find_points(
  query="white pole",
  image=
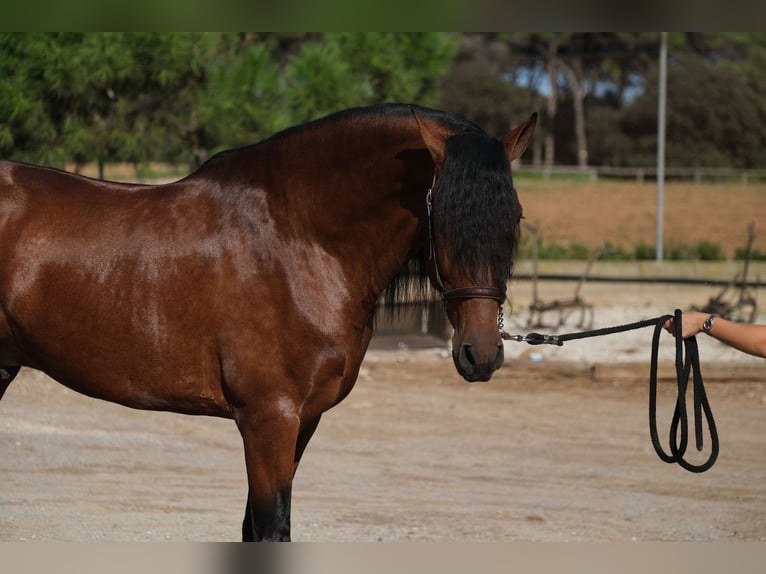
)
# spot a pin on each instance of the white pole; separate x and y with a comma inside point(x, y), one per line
point(661, 140)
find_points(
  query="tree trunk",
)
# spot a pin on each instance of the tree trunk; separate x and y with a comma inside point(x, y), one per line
point(551, 104)
point(579, 86)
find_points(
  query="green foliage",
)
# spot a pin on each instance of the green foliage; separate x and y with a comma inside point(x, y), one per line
point(710, 117)
point(24, 121)
point(179, 97)
point(715, 109)
point(579, 251)
point(644, 252)
point(755, 254)
point(701, 251)
point(474, 89)
point(613, 253)
point(552, 251)
point(709, 251)
point(396, 67)
point(103, 97)
point(237, 100)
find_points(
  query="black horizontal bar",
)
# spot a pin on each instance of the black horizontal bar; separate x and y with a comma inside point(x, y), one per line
point(613, 279)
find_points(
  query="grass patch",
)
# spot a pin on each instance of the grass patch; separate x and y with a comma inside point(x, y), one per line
point(700, 251)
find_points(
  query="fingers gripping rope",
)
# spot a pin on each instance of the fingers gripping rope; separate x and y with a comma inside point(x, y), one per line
point(686, 363)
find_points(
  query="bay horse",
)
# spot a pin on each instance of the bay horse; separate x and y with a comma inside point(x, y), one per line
point(247, 289)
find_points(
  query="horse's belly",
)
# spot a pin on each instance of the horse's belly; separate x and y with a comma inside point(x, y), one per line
point(161, 392)
point(190, 388)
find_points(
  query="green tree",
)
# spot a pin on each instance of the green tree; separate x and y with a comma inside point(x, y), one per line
point(26, 127)
point(475, 90)
point(350, 69)
point(137, 97)
point(261, 83)
point(240, 101)
point(103, 97)
point(404, 67)
point(715, 115)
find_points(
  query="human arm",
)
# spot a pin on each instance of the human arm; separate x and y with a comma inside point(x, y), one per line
point(744, 337)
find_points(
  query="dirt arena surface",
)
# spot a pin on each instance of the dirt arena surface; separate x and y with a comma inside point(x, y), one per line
point(554, 448)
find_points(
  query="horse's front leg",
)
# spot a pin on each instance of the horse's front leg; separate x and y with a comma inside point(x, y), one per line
point(254, 525)
point(267, 523)
point(269, 435)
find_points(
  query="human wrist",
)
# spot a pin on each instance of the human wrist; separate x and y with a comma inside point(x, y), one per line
point(707, 323)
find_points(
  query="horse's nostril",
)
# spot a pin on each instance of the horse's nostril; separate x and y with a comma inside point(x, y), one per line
point(470, 356)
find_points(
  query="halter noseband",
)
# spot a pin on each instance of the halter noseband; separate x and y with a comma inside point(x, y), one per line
point(472, 292)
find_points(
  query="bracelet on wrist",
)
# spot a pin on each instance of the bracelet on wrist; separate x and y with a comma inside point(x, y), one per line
point(708, 323)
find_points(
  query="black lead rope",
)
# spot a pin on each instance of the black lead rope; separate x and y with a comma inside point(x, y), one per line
point(687, 362)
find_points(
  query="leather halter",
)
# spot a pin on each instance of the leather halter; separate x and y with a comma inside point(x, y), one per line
point(471, 292)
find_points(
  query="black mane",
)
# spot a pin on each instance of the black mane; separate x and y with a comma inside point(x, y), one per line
point(455, 121)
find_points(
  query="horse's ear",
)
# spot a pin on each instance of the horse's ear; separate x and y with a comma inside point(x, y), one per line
point(515, 142)
point(435, 137)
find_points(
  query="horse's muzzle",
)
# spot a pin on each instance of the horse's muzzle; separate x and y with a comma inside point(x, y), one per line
point(475, 366)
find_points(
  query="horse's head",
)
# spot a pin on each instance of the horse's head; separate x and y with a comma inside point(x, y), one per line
point(474, 216)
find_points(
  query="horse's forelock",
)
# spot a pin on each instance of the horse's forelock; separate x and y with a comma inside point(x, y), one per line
point(476, 209)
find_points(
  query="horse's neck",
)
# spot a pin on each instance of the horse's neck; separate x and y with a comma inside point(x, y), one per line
point(367, 208)
point(352, 195)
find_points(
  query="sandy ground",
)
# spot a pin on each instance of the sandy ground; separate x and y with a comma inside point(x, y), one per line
point(555, 448)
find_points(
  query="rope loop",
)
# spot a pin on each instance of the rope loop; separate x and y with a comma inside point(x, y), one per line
point(686, 364)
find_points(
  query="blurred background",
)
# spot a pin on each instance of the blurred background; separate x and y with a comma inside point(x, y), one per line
point(176, 98)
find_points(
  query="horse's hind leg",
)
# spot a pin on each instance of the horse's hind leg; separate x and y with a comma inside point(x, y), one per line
point(7, 374)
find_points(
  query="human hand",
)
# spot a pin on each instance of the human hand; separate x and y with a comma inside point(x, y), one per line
point(691, 324)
